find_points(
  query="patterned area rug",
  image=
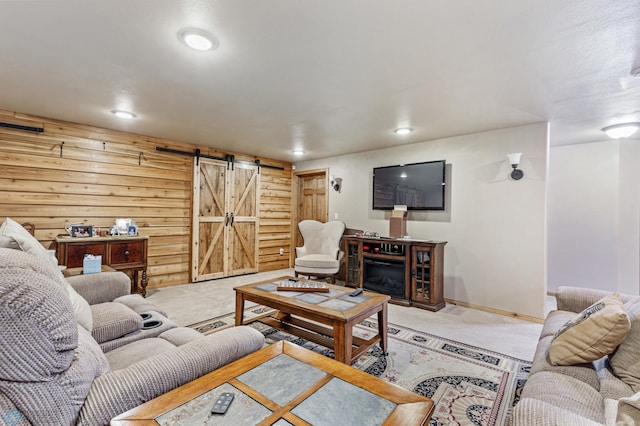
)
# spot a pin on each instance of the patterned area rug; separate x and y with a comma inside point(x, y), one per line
point(470, 385)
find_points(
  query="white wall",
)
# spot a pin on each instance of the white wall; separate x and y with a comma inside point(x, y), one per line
point(629, 218)
point(594, 216)
point(495, 227)
point(582, 221)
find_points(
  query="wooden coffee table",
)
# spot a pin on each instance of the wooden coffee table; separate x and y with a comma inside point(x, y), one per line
point(285, 381)
point(336, 309)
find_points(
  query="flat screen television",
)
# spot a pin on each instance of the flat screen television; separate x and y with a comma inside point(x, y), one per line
point(419, 186)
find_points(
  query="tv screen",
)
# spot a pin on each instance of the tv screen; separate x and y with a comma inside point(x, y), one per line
point(419, 186)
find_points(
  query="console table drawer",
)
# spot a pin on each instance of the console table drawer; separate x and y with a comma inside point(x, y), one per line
point(127, 252)
point(75, 253)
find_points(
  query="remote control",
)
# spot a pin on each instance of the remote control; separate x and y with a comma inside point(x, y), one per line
point(355, 292)
point(222, 403)
point(295, 280)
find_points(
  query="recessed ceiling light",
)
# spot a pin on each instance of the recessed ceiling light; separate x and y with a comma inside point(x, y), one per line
point(298, 152)
point(123, 114)
point(623, 130)
point(403, 131)
point(198, 39)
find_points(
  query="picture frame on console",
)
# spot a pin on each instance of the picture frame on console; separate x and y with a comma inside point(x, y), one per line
point(81, 230)
point(122, 224)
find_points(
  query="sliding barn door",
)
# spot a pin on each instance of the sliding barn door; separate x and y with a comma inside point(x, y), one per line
point(210, 208)
point(225, 223)
point(243, 226)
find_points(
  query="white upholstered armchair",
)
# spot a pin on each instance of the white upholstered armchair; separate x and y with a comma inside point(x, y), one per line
point(321, 255)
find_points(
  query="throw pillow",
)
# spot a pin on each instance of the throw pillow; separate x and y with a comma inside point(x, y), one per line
point(14, 236)
point(592, 334)
point(624, 361)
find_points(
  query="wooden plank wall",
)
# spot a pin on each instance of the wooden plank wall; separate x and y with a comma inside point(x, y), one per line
point(275, 219)
point(74, 173)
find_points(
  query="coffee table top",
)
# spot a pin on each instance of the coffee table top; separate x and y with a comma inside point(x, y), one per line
point(335, 304)
point(285, 384)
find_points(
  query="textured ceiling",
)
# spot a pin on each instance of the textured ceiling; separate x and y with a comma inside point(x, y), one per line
point(329, 77)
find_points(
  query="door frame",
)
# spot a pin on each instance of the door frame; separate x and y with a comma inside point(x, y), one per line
point(295, 214)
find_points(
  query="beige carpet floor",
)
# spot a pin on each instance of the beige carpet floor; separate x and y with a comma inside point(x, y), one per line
point(190, 303)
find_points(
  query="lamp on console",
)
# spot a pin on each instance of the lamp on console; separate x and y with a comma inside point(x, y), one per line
point(514, 159)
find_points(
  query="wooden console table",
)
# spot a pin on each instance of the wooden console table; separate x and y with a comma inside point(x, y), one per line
point(410, 271)
point(126, 254)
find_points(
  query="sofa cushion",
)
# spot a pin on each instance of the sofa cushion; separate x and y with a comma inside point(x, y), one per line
point(14, 236)
point(112, 320)
point(58, 399)
point(39, 332)
point(533, 412)
point(88, 363)
point(137, 351)
point(611, 387)
point(554, 322)
point(629, 410)
point(139, 304)
point(625, 359)
point(567, 392)
point(180, 335)
point(101, 287)
point(126, 388)
point(317, 261)
point(591, 334)
point(93, 351)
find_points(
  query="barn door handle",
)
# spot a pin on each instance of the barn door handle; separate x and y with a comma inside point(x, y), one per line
point(226, 219)
point(231, 219)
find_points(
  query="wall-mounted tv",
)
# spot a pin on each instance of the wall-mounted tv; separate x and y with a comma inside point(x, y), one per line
point(419, 186)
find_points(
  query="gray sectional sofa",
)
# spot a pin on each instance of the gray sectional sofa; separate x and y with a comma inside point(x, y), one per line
point(605, 391)
point(83, 350)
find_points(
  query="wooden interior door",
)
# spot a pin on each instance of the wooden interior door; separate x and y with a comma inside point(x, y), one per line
point(311, 200)
point(209, 219)
point(242, 232)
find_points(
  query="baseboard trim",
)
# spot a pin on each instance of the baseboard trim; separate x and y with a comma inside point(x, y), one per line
point(496, 311)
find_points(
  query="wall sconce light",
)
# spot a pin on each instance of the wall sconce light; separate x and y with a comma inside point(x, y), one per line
point(514, 159)
point(336, 183)
point(623, 130)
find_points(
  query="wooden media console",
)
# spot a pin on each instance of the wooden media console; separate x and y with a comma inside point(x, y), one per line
point(410, 271)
